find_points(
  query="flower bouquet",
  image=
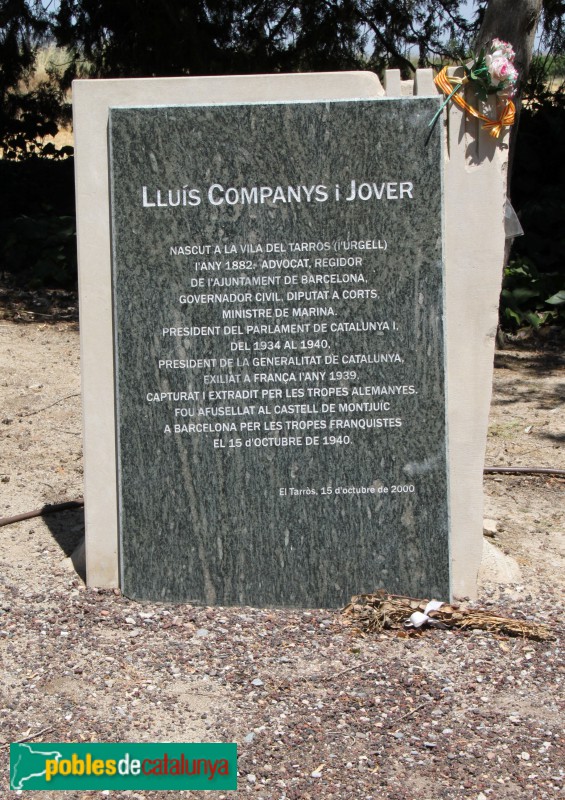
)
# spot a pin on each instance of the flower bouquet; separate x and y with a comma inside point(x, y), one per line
point(492, 72)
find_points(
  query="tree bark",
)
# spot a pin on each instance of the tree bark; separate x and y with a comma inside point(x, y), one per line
point(513, 21)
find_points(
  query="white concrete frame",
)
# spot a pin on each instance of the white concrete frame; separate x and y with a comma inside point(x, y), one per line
point(474, 179)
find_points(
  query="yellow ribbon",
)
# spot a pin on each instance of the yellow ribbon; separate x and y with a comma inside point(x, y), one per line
point(493, 126)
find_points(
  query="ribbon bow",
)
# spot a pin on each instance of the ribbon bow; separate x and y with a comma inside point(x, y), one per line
point(451, 86)
point(419, 618)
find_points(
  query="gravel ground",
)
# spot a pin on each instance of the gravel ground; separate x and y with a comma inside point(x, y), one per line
point(317, 709)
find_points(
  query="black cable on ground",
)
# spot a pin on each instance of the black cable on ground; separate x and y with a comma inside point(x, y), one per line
point(41, 512)
point(524, 471)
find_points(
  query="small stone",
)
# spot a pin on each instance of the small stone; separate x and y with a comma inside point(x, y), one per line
point(490, 528)
point(130, 620)
point(251, 778)
point(201, 632)
point(257, 682)
point(525, 756)
point(248, 738)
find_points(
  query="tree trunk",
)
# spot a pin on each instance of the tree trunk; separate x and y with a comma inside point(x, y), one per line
point(513, 21)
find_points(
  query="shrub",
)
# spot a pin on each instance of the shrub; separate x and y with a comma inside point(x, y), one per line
point(530, 297)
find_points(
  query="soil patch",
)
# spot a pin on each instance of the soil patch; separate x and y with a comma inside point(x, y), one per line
point(317, 710)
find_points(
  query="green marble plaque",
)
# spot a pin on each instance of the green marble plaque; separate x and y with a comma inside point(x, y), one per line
point(279, 351)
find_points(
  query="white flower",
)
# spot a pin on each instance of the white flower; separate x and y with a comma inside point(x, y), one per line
point(503, 74)
point(501, 48)
point(501, 70)
point(500, 64)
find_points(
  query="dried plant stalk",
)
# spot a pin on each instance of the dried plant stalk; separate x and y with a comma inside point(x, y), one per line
point(379, 611)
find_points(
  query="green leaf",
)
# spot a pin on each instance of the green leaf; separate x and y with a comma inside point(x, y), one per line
point(534, 320)
point(522, 295)
point(557, 299)
point(508, 299)
point(512, 316)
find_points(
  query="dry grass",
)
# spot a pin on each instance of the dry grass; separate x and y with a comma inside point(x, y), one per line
point(375, 612)
point(63, 138)
point(50, 62)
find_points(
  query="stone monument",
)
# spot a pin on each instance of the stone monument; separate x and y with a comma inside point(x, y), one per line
point(280, 361)
point(264, 341)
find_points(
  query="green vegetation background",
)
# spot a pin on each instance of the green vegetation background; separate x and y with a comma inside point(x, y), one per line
point(37, 215)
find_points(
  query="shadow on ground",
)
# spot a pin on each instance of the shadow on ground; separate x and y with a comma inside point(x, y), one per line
point(538, 365)
point(41, 304)
point(67, 528)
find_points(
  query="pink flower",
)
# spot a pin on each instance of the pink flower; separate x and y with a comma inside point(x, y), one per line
point(501, 48)
point(503, 73)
